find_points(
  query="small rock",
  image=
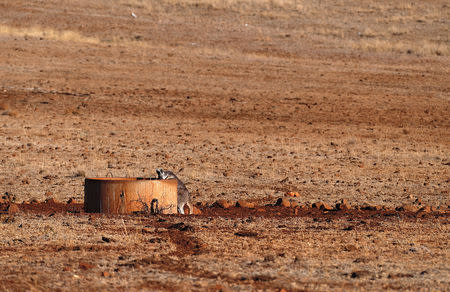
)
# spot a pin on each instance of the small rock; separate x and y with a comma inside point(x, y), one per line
point(292, 194)
point(12, 209)
point(105, 274)
point(418, 201)
point(86, 266)
point(222, 204)
point(245, 204)
point(425, 209)
point(283, 202)
point(148, 230)
point(294, 204)
point(350, 247)
point(71, 201)
point(343, 205)
point(246, 233)
point(196, 211)
point(359, 274)
point(201, 204)
point(371, 207)
point(317, 205)
point(51, 200)
point(421, 214)
point(326, 207)
point(107, 239)
point(66, 269)
point(322, 206)
point(407, 208)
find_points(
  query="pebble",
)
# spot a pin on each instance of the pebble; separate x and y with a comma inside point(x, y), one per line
point(326, 207)
point(372, 207)
point(322, 206)
point(317, 205)
point(105, 274)
point(51, 200)
point(418, 201)
point(72, 201)
point(407, 208)
point(377, 207)
point(283, 202)
point(245, 204)
point(85, 266)
point(292, 194)
point(343, 205)
point(426, 209)
point(294, 204)
point(201, 204)
point(360, 274)
point(12, 209)
point(222, 204)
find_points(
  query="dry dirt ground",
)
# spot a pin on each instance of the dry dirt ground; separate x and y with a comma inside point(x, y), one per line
point(330, 99)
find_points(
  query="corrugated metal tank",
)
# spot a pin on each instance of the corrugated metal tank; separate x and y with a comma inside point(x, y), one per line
point(127, 195)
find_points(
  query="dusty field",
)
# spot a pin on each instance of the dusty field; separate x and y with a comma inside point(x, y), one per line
point(243, 100)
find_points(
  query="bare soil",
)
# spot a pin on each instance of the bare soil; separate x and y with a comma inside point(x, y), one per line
point(332, 100)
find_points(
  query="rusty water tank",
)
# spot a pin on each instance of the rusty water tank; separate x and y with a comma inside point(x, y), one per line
point(127, 195)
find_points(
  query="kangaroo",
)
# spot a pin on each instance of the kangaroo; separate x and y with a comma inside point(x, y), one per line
point(183, 196)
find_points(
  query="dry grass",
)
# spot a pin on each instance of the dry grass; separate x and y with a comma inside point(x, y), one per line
point(381, 27)
point(380, 45)
point(234, 5)
point(47, 33)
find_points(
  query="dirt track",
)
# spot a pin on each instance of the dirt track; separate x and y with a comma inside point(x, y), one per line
point(329, 99)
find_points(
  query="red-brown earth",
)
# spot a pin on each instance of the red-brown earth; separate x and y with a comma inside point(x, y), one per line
point(244, 101)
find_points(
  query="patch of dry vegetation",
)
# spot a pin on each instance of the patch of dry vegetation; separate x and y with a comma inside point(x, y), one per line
point(47, 33)
point(380, 26)
point(380, 45)
point(389, 27)
point(243, 6)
